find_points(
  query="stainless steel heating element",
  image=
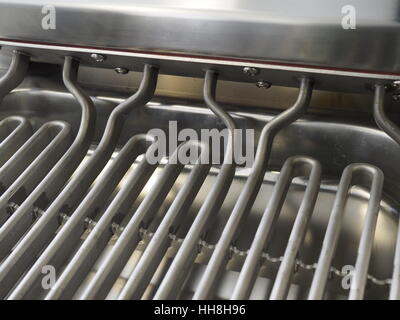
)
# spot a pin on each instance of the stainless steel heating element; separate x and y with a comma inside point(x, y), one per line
point(314, 216)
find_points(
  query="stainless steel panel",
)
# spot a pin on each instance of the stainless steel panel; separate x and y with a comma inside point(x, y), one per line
point(281, 75)
point(306, 33)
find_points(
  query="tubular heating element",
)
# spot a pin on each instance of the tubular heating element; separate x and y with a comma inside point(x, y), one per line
point(51, 195)
point(128, 240)
point(15, 73)
point(248, 195)
point(297, 166)
point(98, 238)
point(31, 163)
point(14, 265)
point(394, 132)
point(211, 204)
point(186, 254)
point(44, 229)
point(354, 173)
point(26, 168)
point(14, 132)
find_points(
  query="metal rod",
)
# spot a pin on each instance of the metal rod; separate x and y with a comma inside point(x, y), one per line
point(159, 243)
point(79, 266)
point(116, 260)
point(294, 166)
point(361, 174)
point(21, 128)
point(381, 118)
point(61, 247)
point(30, 150)
point(185, 257)
point(249, 193)
point(393, 131)
point(282, 281)
point(15, 73)
point(34, 241)
point(14, 132)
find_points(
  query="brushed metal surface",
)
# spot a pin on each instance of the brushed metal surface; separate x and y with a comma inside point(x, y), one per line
point(275, 74)
point(306, 33)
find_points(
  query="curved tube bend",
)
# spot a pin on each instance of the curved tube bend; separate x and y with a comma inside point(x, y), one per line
point(187, 252)
point(381, 119)
point(15, 73)
point(251, 188)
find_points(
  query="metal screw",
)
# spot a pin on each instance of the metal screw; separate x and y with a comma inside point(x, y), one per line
point(396, 97)
point(250, 71)
point(120, 70)
point(97, 57)
point(396, 84)
point(263, 84)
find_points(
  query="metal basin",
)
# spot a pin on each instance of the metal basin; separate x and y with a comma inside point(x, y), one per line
point(333, 140)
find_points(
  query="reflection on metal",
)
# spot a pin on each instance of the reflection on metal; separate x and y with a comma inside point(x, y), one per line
point(395, 285)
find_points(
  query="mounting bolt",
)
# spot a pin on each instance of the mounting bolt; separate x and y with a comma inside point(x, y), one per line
point(250, 71)
point(396, 84)
point(120, 70)
point(263, 84)
point(396, 97)
point(97, 57)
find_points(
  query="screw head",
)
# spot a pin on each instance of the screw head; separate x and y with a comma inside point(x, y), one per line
point(120, 70)
point(250, 71)
point(263, 84)
point(97, 57)
point(396, 97)
point(396, 84)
